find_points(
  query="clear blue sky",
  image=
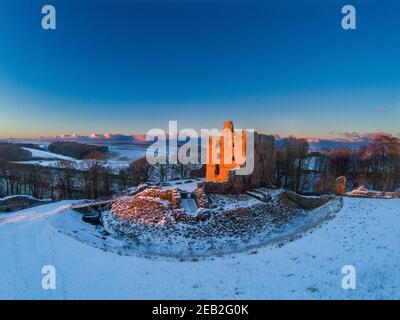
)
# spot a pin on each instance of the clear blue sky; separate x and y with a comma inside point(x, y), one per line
point(121, 66)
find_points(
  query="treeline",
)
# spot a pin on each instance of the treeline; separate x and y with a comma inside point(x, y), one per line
point(13, 152)
point(376, 166)
point(291, 166)
point(78, 150)
point(290, 158)
point(66, 182)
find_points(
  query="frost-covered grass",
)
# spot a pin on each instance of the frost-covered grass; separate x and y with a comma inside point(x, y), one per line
point(365, 233)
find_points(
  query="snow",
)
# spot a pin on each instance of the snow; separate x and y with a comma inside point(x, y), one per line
point(120, 158)
point(113, 166)
point(47, 155)
point(23, 196)
point(127, 153)
point(228, 202)
point(185, 185)
point(35, 214)
point(190, 206)
point(364, 234)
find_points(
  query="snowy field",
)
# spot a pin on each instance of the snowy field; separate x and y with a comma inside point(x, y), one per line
point(47, 155)
point(127, 152)
point(365, 233)
point(120, 158)
point(114, 166)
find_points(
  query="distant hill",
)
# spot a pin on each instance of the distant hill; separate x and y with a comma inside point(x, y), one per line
point(139, 139)
point(333, 144)
point(78, 150)
point(13, 152)
point(324, 144)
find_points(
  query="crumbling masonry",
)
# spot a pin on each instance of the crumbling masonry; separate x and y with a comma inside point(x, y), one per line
point(221, 178)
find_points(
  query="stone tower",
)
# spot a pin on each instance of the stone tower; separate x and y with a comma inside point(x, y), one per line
point(219, 172)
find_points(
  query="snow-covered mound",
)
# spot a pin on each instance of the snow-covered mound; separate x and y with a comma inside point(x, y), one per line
point(91, 264)
point(233, 223)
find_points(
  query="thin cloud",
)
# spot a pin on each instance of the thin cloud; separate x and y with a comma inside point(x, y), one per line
point(360, 137)
point(382, 110)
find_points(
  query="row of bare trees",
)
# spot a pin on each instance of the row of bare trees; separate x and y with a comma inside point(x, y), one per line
point(93, 181)
point(24, 179)
point(289, 162)
point(293, 166)
point(376, 166)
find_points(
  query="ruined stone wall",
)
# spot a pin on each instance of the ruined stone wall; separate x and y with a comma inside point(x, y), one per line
point(171, 195)
point(263, 173)
point(201, 198)
point(220, 172)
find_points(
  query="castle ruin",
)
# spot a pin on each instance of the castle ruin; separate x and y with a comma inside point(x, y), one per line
point(221, 154)
point(221, 177)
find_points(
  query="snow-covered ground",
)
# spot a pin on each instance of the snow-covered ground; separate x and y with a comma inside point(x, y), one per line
point(127, 152)
point(47, 155)
point(113, 166)
point(186, 185)
point(120, 158)
point(365, 234)
point(23, 196)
